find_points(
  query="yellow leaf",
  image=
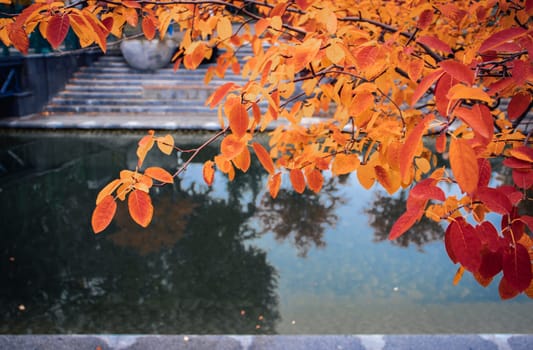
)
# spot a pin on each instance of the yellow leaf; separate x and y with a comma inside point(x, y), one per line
point(335, 53)
point(165, 144)
point(224, 29)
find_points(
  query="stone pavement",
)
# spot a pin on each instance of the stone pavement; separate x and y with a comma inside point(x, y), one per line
point(271, 342)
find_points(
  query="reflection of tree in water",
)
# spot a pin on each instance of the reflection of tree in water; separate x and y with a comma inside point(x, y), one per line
point(304, 217)
point(385, 210)
point(197, 276)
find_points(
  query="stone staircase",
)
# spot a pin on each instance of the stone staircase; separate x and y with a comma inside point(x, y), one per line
point(109, 86)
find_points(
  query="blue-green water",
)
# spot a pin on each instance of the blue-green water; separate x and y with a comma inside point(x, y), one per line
point(225, 259)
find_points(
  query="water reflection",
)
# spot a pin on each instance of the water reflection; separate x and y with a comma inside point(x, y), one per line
point(188, 273)
point(385, 210)
point(301, 218)
point(224, 259)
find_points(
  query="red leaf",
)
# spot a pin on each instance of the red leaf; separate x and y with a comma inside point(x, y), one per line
point(463, 161)
point(441, 93)
point(405, 222)
point(528, 220)
point(425, 84)
point(57, 30)
point(297, 180)
point(473, 117)
point(264, 157)
point(512, 228)
point(515, 163)
point(500, 38)
point(458, 70)
point(485, 172)
point(465, 244)
point(523, 179)
point(491, 264)
point(489, 236)
point(425, 19)
point(427, 190)
point(140, 207)
point(506, 290)
point(18, 37)
point(519, 105)
point(434, 43)
point(148, 28)
point(517, 267)
point(103, 214)
point(410, 146)
point(495, 200)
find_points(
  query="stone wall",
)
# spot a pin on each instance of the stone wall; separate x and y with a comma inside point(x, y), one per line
point(40, 77)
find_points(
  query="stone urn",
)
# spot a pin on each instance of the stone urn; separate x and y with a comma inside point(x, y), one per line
point(146, 54)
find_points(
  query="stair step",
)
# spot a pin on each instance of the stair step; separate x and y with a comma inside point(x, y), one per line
point(74, 100)
point(178, 109)
point(79, 94)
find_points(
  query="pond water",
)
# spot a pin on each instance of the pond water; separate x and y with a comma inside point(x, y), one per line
point(225, 259)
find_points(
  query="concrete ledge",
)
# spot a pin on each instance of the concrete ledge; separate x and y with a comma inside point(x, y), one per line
point(251, 342)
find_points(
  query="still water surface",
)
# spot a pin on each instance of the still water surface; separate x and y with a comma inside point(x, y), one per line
point(225, 259)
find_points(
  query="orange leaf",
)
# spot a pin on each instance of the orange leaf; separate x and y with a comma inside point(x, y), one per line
point(232, 146)
point(458, 275)
point(243, 160)
point(305, 53)
point(274, 183)
point(220, 93)
point(208, 172)
point(261, 26)
point(412, 142)
point(107, 190)
point(264, 157)
point(464, 165)
point(103, 214)
point(297, 180)
point(518, 105)
point(131, 4)
point(238, 119)
point(387, 179)
point(458, 70)
point(425, 84)
point(159, 174)
point(57, 30)
point(501, 37)
point(460, 91)
point(360, 103)
point(140, 207)
point(345, 163)
point(315, 180)
point(148, 28)
point(279, 9)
